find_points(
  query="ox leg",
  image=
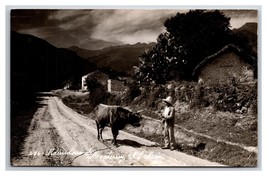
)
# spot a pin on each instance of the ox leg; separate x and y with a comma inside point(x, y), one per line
point(115, 134)
point(97, 127)
point(100, 131)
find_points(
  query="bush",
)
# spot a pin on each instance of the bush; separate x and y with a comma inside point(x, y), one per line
point(226, 97)
point(97, 92)
point(150, 97)
point(198, 97)
point(184, 91)
point(233, 97)
point(93, 84)
point(132, 92)
point(155, 96)
point(114, 99)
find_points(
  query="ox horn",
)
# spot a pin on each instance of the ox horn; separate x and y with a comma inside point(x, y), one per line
point(139, 111)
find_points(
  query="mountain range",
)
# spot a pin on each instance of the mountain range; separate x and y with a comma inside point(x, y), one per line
point(120, 58)
point(36, 65)
point(46, 65)
point(250, 32)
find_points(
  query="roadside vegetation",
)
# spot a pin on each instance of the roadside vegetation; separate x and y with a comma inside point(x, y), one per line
point(218, 129)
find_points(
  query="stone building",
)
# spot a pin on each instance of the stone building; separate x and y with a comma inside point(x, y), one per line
point(228, 64)
point(112, 85)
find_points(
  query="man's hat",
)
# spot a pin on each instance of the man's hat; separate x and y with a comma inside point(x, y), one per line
point(168, 100)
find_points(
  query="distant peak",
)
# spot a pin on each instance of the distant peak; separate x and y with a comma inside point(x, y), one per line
point(249, 25)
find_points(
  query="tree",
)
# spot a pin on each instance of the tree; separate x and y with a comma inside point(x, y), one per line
point(189, 38)
point(97, 91)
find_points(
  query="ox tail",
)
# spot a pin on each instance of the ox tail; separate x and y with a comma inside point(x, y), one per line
point(97, 127)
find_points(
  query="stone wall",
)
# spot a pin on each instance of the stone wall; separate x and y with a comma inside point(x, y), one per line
point(225, 68)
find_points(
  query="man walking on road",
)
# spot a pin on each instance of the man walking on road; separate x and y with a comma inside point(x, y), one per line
point(168, 124)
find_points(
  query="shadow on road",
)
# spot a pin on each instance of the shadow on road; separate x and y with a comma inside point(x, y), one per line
point(20, 123)
point(132, 143)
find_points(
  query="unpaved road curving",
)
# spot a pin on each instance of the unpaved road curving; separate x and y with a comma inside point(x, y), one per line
point(58, 136)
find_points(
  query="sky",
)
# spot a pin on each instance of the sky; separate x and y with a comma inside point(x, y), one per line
point(96, 29)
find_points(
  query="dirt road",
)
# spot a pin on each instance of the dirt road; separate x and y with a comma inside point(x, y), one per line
point(58, 136)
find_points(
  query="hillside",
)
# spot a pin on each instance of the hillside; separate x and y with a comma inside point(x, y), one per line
point(119, 58)
point(249, 31)
point(37, 65)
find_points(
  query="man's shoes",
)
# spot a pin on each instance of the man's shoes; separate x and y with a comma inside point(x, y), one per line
point(165, 147)
point(172, 148)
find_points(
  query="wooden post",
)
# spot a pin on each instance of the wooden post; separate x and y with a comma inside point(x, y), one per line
point(109, 85)
point(83, 83)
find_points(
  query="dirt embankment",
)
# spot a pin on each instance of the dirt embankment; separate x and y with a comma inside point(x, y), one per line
point(223, 137)
point(58, 136)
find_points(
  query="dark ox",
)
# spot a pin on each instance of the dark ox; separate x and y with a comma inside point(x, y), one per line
point(116, 117)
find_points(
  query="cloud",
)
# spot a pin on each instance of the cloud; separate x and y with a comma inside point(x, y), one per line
point(22, 19)
point(106, 27)
point(235, 13)
point(98, 28)
point(131, 26)
point(240, 17)
point(119, 26)
point(73, 19)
